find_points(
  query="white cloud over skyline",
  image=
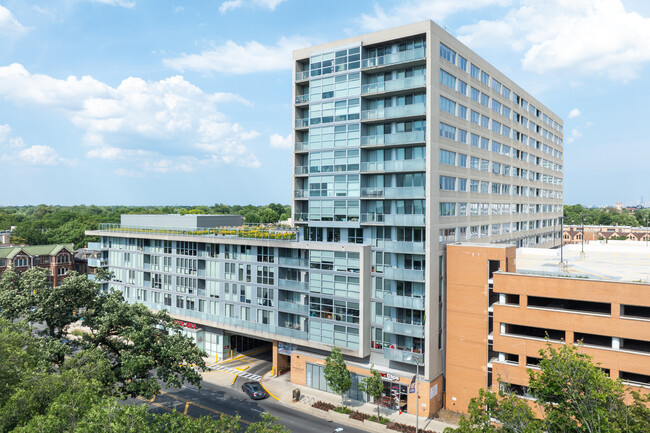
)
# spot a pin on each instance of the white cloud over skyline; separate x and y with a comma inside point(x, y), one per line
point(574, 113)
point(575, 36)
point(9, 25)
point(236, 4)
point(246, 58)
point(280, 142)
point(133, 121)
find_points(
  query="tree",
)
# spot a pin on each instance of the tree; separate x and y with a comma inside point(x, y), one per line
point(337, 374)
point(571, 393)
point(12, 298)
point(267, 425)
point(373, 387)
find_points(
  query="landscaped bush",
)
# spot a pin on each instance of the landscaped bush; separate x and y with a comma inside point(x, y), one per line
point(381, 420)
point(341, 409)
point(359, 416)
point(323, 406)
point(404, 428)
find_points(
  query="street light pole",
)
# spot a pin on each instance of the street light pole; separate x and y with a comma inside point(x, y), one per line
point(561, 241)
point(417, 390)
point(583, 234)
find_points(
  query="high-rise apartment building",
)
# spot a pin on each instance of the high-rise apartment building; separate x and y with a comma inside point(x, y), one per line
point(405, 140)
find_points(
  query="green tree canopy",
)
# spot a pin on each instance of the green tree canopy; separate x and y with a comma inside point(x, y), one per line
point(337, 374)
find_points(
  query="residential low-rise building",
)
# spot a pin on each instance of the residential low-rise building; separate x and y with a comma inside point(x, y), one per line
point(57, 258)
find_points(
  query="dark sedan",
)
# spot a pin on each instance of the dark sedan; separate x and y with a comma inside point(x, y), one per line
point(254, 390)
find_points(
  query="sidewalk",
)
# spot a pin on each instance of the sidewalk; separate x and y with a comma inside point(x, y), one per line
point(281, 389)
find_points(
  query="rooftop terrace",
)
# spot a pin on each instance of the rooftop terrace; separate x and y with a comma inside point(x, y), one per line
point(614, 260)
point(248, 232)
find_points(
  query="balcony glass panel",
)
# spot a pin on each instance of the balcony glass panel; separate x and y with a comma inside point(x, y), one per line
point(393, 192)
point(394, 85)
point(394, 112)
point(392, 219)
point(404, 247)
point(397, 138)
point(394, 58)
point(293, 307)
point(406, 165)
point(298, 285)
point(411, 302)
point(403, 274)
point(401, 355)
point(404, 329)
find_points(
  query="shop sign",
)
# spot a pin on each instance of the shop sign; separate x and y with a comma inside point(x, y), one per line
point(286, 348)
point(389, 376)
point(185, 324)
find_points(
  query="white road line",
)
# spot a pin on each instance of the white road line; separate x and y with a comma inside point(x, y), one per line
point(238, 372)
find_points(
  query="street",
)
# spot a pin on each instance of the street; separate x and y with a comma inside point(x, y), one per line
point(214, 400)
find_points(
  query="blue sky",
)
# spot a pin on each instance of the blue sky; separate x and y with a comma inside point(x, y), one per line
point(188, 102)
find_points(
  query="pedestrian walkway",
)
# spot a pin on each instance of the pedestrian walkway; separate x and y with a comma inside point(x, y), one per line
point(236, 371)
point(281, 389)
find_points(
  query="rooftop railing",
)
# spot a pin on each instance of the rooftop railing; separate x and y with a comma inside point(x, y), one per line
point(246, 232)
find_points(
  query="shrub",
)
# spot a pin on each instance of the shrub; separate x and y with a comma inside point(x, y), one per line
point(404, 428)
point(381, 420)
point(323, 406)
point(345, 410)
point(359, 416)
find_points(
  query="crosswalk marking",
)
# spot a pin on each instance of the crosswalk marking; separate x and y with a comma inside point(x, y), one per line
point(235, 371)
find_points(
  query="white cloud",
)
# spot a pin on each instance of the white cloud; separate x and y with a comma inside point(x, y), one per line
point(39, 155)
point(575, 134)
point(122, 3)
point(236, 4)
point(9, 25)
point(281, 142)
point(574, 113)
point(6, 138)
point(407, 12)
point(233, 58)
point(584, 36)
point(162, 126)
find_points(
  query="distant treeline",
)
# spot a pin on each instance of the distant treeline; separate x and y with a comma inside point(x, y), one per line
point(43, 224)
point(608, 216)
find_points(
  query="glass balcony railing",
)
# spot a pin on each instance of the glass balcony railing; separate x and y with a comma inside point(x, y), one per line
point(292, 307)
point(393, 192)
point(302, 145)
point(410, 302)
point(400, 355)
point(394, 85)
point(301, 99)
point(97, 263)
point(94, 245)
point(405, 165)
point(408, 329)
point(302, 75)
point(392, 219)
point(301, 169)
point(302, 123)
point(292, 284)
point(403, 274)
point(393, 58)
point(301, 193)
point(404, 247)
point(293, 261)
point(397, 138)
point(394, 112)
point(300, 217)
point(248, 232)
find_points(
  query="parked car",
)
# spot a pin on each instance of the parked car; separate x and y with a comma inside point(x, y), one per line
point(254, 390)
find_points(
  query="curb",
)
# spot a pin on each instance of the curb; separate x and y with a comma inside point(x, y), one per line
point(262, 383)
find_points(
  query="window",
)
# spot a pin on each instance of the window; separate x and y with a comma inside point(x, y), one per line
point(474, 71)
point(447, 183)
point(462, 136)
point(447, 131)
point(485, 99)
point(447, 209)
point(448, 80)
point(447, 157)
point(462, 160)
point(474, 94)
point(462, 87)
point(447, 54)
point(447, 105)
point(474, 117)
point(485, 121)
point(462, 112)
point(485, 78)
point(462, 63)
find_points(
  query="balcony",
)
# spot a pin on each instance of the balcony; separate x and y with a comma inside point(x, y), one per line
point(404, 247)
point(416, 192)
point(97, 263)
point(407, 329)
point(302, 99)
point(392, 219)
point(292, 284)
point(301, 170)
point(302, 145)
point(403, 274)
point(413, 137)
point(392, 59)
point(302, 123)
point(293, 308)
point(94, 245)
point(301, 193)
point(394, 85)
point(394, 166)
point(302, 75)
point(411, 302)
point(401, 355)
point(300, 217)
point(293, 261)
point(413, 110)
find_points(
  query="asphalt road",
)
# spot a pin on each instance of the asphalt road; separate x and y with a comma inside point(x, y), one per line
point(213, 400)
